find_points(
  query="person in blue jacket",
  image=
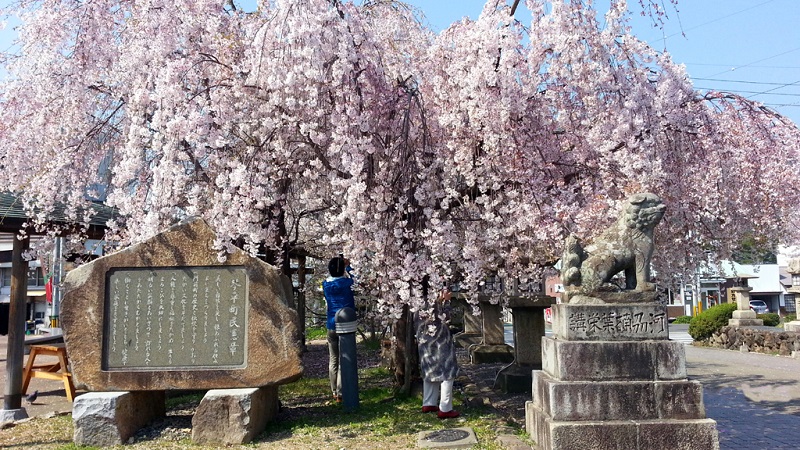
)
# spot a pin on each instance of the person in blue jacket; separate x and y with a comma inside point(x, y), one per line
point(338, 292)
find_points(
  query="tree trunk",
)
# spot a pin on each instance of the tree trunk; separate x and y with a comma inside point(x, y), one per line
point(404, 358)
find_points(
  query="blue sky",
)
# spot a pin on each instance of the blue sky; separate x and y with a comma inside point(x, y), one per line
point(751, 47)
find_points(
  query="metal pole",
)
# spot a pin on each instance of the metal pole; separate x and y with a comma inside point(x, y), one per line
point(301, 300)
point(346, 324)
point(16, 325)
point(58, 274)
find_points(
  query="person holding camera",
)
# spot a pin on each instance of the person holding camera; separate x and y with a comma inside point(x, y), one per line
point(338, 292)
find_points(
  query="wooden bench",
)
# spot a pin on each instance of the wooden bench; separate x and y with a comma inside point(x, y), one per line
point(58, 370)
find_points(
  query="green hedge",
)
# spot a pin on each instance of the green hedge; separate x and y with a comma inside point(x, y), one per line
point(789, 318)
point(682, 319)
point(770, 319)
point(703, 325)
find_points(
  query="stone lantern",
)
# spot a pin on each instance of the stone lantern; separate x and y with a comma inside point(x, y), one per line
point(794, 271)
point(740, 293)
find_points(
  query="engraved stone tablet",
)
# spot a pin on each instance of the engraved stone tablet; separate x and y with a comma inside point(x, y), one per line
point(610, 322)
point(167, 314)
point(188, 317)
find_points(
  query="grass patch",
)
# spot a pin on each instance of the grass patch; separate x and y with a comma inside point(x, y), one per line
point(383, 419)
point(51, 433)
point(308, 419)
point(183, 399)
point(314, 333)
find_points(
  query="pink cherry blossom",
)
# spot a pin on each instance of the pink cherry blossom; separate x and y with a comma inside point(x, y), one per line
point(328, 126)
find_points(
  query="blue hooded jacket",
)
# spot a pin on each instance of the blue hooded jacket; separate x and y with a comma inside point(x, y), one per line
point(338, 294)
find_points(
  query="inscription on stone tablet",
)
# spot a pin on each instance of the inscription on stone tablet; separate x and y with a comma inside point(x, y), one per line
point(638, 322)
point(183, 317)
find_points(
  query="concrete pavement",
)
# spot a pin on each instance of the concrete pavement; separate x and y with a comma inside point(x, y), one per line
point(754, 398)
point(52, 398)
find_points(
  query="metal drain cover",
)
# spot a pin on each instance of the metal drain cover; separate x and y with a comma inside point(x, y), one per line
point(449, 438)
point(446, 435)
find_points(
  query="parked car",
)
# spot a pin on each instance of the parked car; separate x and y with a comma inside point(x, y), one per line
point(759, 306)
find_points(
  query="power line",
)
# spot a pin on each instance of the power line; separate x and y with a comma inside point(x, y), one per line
point(774, 89)
point(731, 65)
point(750, 92)
point(741, 81)
point(683, 32)
point(756, 62)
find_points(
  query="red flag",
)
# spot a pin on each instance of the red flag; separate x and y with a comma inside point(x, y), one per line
point(48, 290)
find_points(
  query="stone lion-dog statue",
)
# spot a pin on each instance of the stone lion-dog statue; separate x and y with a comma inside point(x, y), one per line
point(627, 246)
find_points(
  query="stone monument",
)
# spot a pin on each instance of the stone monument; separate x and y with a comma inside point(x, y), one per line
point(527, 309)
point(492, 347)
point(794, 271)
point(472, 324)
point(611, 378)
point(743, 316)
point(167, 314)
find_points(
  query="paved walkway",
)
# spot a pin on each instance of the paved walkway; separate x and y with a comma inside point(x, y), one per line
point(52, 398)
point(754, 398)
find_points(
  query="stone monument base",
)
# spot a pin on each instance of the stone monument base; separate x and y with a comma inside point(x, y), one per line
point(745, 318)
point(488, 354)
point(12, 415)
point(234, 416)
point(656, 434)
point(465, 340)
point(793, 326)
point(745, 323)
point(104, 419)
point(515, 379)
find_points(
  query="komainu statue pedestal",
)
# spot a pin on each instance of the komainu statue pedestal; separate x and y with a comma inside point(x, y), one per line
point(612, 379)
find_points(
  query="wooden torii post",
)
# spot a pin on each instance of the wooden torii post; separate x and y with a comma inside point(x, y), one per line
point(14, 220)
point(15, 352)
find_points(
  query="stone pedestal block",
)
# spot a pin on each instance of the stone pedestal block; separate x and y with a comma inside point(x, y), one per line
point(612, 322)
point(745, 323)
point(104, 419)
point(529, 325)
point(472, 325)
point(698, 434)
point(12, 415)
point(493, 331)
point(465, 340)
point(528, 314)
point(792, 326)
point(741, 296)
point(492, 348)
point(489, 354)
point(617, 400)
point(744, 314)
point(234, 416)
point(515, 378)
point(613, 360)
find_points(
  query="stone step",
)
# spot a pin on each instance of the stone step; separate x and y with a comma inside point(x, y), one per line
point(613, 360)
point(617, 400)
point(549, 434)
